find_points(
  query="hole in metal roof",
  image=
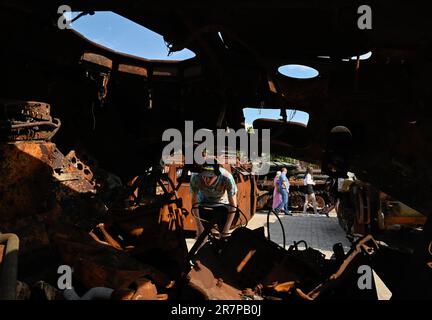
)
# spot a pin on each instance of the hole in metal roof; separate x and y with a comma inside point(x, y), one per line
point(251, 114)
point(122, 35)
point(363, 56)
point(298, 71)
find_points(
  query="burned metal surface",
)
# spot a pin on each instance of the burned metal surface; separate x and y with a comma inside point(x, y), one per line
point(26, 121)
point(202, 279)
point(117, 106)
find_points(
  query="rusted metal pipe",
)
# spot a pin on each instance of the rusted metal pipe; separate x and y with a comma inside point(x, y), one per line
point(9, 267)
point(34, 124)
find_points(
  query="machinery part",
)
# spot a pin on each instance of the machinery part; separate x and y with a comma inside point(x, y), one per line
point(296, 200)
point(312, 258)
point(9, 270)
point(346, 212)
point(154, 231)
point(23, 131)
point(245, 251)
point(26, 120)
point(109, 240)
point(361, 247)
point(202, 279)
point(363, 211)
point(80, 165)
point(264, 200)
point(24, 110)
point(320, 203)
point(97, 265)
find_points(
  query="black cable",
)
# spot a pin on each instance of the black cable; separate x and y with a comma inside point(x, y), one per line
point(280, 222)
point(81, 14)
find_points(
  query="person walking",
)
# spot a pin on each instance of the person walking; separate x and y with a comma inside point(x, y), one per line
point(309, 192)
point(277, 198)
point(284, 191)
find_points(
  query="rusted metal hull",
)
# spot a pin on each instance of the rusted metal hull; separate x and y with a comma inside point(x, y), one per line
point(36, 174)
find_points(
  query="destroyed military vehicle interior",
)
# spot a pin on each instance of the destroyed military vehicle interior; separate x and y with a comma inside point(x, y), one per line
point(277, 150)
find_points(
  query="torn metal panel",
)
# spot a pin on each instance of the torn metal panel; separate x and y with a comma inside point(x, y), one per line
point(98, 265)
point(367, 246)
point(97, 59)
point(202, 279)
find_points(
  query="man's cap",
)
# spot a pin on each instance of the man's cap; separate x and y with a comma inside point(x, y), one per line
point(208, 171)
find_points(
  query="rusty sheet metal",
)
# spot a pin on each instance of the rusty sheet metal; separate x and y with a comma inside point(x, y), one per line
point(246, 196)
point(248, 260)
point(188, 222)
point(107, 238)
point(202, 279)
point(35, 174)
point(154, 233)
point(140, 71)
point(26, 120)
point(264, 200)
point(165, 71)
point(81, 166)
point(25, 110)
point(366, 245)
point(250, 256)
point(97, 265)
point(97, 59)
point(26, 184)
point(71, 180)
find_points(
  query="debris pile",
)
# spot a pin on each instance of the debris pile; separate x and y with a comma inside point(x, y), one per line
point(127, 241)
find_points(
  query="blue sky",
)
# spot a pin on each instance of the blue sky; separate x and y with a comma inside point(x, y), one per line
point(298, 71)
point(120, 34)
point(255, 113)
